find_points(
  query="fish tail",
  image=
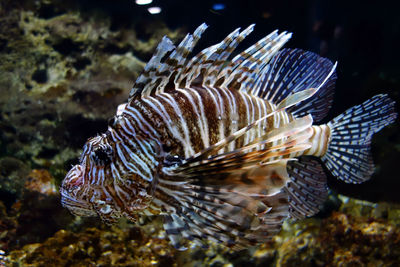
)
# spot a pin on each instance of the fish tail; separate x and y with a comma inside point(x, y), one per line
point(348, 156)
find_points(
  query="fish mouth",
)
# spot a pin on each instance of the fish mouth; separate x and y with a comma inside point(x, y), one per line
point(76, 206)
point(73, 193)
point(74, 178)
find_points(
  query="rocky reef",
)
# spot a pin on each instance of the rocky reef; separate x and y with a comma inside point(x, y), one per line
point(64, 70)
point(96, 247)
point(344, 238)
point(63, 76)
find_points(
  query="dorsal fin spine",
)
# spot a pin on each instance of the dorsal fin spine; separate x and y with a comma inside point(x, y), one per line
point(208, 65)
point(249, 61)
point(227, 50)
point(144, 80)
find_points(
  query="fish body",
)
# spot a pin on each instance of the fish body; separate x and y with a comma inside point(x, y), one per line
point(225, 149)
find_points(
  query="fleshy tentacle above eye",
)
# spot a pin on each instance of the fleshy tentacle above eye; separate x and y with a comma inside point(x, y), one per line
point(103, 155)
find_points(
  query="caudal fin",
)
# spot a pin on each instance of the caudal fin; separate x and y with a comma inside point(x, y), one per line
point(348, 156)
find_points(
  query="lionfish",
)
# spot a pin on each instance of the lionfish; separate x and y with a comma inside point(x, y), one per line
point(224, 148)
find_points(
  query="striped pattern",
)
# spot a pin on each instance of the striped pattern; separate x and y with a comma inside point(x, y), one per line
point(127, 176)
point(71, 188)
point(179, 108)
point(217, 146)
point(158, 71)
point(295, 70)
point(307, 189)
point(208, 68)
point(319, 139)
point(193, 119)
point(207, 212)
point(122, 147)
point(349, 156)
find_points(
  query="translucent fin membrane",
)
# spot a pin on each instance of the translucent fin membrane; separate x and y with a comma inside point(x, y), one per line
point(307, 189)
point(199, 213)
point(295, 70)
point(348, 156)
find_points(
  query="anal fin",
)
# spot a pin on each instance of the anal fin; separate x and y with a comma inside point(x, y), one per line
point(307, 189)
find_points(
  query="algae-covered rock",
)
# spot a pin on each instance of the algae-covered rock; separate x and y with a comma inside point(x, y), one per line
point(63, 76)
point(341, 239)
point(95, 247)
point(39, 212)
point(8, 226)
point(12, 177)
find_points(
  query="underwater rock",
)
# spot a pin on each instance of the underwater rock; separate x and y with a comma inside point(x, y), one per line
point(12, 178)
point(95, 247)
point(38, 212)
point(63, 76)
point(8, 226)
point(340, 239)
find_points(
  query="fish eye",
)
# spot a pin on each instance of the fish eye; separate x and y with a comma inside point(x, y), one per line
point(112, 121)
point(102, 155)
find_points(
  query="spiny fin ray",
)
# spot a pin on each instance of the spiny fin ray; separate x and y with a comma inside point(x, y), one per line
point(196, 212)
point(207, 68)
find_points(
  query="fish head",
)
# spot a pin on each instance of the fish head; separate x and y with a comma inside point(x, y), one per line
point(102, 185)
point(84, 188)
